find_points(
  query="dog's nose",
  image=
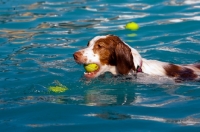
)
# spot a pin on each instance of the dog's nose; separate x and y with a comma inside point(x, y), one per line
point(77, 55)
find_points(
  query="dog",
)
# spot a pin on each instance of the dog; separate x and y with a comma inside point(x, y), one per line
point(113, 55)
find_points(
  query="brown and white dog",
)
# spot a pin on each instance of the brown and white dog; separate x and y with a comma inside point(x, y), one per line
point(113, 55)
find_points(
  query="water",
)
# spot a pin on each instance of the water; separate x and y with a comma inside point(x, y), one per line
point(38, 38)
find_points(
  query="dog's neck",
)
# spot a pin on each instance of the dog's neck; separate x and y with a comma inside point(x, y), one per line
point(151, 67)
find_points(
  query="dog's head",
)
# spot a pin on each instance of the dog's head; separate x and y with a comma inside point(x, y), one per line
point(111, 54)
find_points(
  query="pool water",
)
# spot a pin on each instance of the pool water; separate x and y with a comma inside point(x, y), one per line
point(38, 39)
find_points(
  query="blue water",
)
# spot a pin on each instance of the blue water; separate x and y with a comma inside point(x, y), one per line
point(38, 38)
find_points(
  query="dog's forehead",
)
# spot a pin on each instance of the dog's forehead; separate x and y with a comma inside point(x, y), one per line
point(93, 41)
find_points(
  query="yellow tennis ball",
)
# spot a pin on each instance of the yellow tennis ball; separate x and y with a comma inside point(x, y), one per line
point(91, 67)
point(132, 26)
point(57, 89)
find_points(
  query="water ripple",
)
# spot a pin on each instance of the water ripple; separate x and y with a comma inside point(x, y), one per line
point(191, 120)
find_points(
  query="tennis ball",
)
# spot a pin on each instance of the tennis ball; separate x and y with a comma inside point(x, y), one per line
point(58, 89)
point(132, 26)
point(91, 67)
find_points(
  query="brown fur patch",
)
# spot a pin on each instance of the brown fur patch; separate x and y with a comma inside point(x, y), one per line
point(197, 66)
point(124, 58)
point(113, 51)
point(180, 73)
point(105, 48)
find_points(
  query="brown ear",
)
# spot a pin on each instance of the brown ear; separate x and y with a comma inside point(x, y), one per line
point(124, 58)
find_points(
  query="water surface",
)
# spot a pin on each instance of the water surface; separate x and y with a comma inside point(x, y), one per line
point(38, 38)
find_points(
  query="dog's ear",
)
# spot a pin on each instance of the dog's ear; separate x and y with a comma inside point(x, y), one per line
point(124, 58)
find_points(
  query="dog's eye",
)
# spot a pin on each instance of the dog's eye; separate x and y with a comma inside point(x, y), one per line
point(101, 44)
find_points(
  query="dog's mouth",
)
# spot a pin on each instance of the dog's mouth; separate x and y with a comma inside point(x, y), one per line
point(91, 70)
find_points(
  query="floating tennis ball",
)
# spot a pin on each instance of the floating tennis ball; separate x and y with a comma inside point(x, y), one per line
point(57, 89)
point(132, 26)
point(91, 67)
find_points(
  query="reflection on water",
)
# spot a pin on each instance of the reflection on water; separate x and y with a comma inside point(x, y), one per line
point(16, 36)
point(183, 2)
point(192, 120)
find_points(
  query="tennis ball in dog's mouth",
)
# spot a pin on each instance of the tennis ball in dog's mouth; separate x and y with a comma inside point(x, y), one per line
point(132, 26)
point(91, 67)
